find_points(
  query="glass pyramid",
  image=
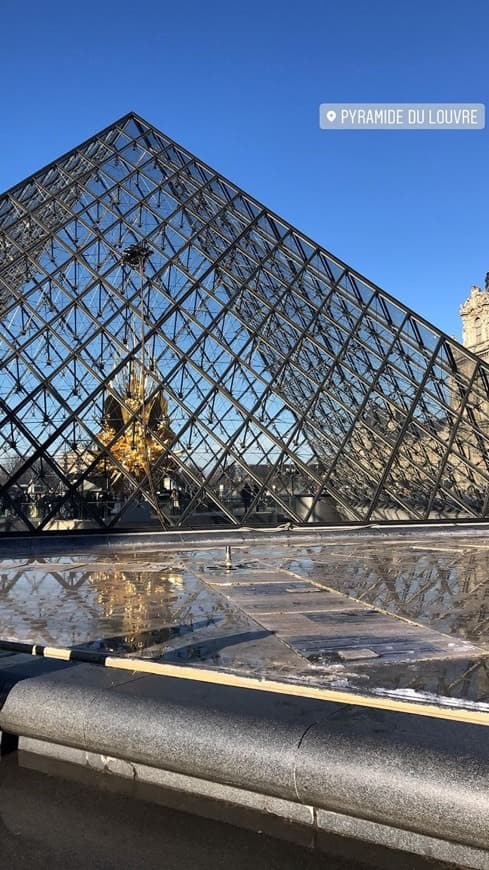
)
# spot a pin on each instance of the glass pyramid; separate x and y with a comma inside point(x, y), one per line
point(174, 354)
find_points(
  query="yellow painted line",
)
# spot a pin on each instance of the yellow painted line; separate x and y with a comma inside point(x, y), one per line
point(439, 549)
point(220, 678)
point(238, 583)
point(294, 611)
point(334, 696)
point(476, 546)
point(52, 652)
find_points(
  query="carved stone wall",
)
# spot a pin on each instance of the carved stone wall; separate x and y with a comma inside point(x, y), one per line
point(475, 322)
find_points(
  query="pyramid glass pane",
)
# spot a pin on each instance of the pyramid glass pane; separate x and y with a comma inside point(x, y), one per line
point(174, 354)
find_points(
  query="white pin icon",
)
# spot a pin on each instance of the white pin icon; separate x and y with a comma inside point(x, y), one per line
point(331, 115)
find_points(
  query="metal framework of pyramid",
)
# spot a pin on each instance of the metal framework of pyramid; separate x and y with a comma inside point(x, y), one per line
point(173, 353)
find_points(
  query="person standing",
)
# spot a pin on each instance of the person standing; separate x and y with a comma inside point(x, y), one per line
point(175, 501)
point(246, 496)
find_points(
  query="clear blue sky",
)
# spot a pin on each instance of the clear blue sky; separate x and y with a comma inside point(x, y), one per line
point(240, 86)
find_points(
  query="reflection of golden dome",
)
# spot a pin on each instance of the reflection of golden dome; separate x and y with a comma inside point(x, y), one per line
point(143, 440)
point(136, 600)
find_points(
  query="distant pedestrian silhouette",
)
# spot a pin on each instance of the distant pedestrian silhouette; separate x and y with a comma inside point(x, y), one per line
point(175, 501)
point(246, 495)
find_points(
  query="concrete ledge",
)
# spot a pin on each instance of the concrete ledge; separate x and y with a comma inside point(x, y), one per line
point(421, 785)
point(289, 811)
point(304, 824)
point(401, 840)
point(27, 544)
point(53, 542)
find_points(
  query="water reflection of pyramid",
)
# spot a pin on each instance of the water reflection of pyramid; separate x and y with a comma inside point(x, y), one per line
point(171, 347)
